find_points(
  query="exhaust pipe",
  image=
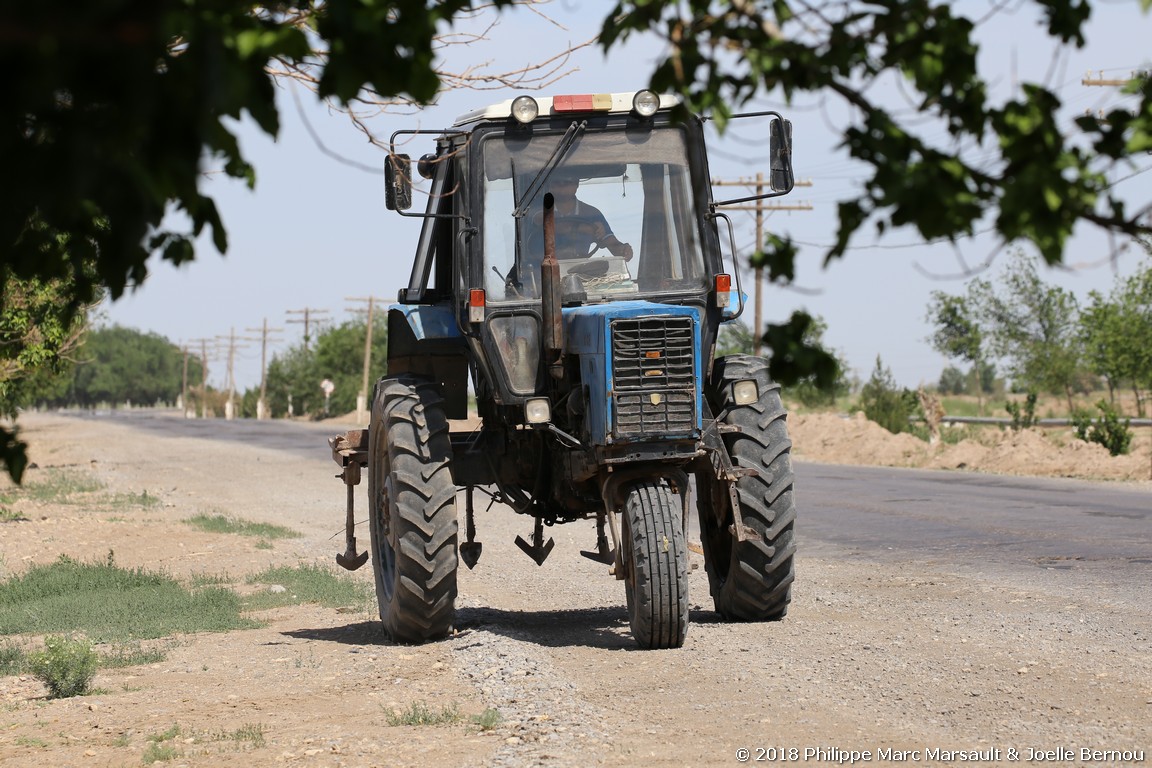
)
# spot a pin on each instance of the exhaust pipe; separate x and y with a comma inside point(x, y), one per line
point(550, 290)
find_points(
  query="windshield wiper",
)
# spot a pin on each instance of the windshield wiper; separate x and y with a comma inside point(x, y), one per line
point(558, 154)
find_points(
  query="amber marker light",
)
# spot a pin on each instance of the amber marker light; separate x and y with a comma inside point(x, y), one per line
point(723, 289)
point(476, 304)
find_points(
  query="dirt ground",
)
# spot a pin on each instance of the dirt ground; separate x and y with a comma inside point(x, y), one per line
point(837, 439)
point(894, 656)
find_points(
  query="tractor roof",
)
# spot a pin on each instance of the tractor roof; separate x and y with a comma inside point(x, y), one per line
point(608, 103)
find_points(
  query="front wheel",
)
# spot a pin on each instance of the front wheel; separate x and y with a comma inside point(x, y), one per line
point(656, 572)
point(412, 502)
point(750, 580)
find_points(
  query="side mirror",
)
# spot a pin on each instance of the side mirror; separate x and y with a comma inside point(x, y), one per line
point(398, 182)
point(780, 149)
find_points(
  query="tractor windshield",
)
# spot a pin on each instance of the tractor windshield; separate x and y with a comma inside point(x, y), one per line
point(625, 219)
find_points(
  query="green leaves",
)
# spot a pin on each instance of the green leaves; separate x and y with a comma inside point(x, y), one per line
point(121, 106)
point(1037, 185)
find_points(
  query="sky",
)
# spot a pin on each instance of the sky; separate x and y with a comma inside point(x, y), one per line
point(315, 235)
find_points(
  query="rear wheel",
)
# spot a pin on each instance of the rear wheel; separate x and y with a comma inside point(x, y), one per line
point(412, 502)
point(750, 580)
point(656, 572)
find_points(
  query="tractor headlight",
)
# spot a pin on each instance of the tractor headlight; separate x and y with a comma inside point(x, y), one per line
point(645, 103)
point(745, 392)
point(537, 411)
point(525, 109)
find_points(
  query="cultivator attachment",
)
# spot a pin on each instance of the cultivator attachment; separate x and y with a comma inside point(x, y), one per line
point(350, 451)
point(539, 549)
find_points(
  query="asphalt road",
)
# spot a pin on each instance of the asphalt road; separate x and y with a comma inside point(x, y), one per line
point(956, 518)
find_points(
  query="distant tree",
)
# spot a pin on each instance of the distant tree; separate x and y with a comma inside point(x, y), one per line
point(117, 365)
point(39, 336)
point(1102, 332)
point(957, 333)
point(953, 381)
point(886, 403)
point(336, 354)
point(1115, 329)
point(1033, 326)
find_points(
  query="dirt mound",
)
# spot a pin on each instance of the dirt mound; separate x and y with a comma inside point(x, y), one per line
point(836, 439)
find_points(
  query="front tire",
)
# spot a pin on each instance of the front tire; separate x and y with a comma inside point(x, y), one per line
point(750, 580)
point(412, 502)
point(656, 573)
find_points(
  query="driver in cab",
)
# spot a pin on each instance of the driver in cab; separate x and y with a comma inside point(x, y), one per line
point(581, 229)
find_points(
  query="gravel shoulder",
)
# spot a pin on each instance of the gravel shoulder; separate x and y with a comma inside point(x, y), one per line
point(899, 654)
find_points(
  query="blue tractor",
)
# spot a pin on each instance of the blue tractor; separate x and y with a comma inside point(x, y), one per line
point(571, 266)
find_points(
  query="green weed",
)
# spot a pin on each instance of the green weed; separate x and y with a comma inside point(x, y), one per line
point(66, 665)
point(227, 524)
point(112, 604)
point(131, 655)
point(143, 499)
point(160, 753)
point(307, 584)
point(249, 734)
point(418, 713)
point(199, 580)
point(60, 487)
point(13, 660)
point(12, 516)
point(487, 720)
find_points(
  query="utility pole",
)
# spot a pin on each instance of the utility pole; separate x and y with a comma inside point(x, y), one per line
point(362, 398)
point(307, 313)
point(262, 403)
point(203, 376)
point(760, 206)
point(184, 382)
point(233, 342)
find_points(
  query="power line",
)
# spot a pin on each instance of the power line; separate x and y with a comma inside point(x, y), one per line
point(307, 314)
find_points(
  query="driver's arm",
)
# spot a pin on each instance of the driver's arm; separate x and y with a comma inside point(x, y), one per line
point(608, 240)
point(617, 248)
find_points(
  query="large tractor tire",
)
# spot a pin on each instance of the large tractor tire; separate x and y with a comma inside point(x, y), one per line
point(656, 569)
point(750, 580)
point(412, 504)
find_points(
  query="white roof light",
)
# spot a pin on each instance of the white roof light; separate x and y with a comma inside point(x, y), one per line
point(645, 103)
point(525, 109)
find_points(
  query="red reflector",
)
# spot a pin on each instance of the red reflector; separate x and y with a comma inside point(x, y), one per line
point(573, 103)
point(583, 102)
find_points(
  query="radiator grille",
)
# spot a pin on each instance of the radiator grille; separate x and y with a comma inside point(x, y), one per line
point(653, 376)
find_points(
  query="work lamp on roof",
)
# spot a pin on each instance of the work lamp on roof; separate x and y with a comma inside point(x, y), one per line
point(525, 109)
point(645, 103)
